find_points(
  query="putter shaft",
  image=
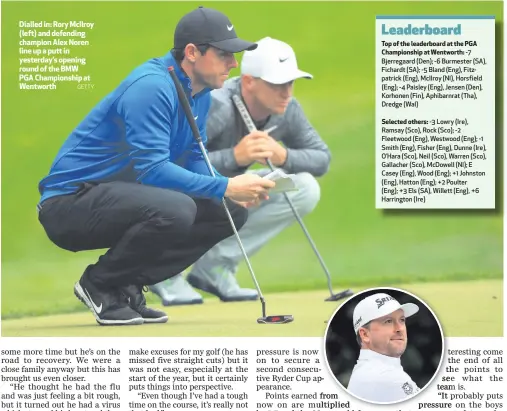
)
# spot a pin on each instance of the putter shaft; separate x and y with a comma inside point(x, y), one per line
point(188, 113)
point(303, 227)
point(251, 128)
point(245, 255)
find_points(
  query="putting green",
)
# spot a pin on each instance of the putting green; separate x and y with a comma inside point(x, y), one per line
point(360, 244)
point(463, 308)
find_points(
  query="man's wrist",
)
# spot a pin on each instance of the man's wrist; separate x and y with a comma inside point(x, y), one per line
point(223, 186)
point(239, 162)
point(281, 157)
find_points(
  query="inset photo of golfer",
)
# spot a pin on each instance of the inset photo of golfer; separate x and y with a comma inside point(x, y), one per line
point(384, 345)
point(181, 169)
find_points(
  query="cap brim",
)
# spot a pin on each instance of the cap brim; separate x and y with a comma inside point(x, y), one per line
point(409, 309)
point(234, 45)
point(285, 77)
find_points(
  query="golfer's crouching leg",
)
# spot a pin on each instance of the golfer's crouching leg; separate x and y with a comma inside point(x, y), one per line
point(308, 196)
point(239, 215)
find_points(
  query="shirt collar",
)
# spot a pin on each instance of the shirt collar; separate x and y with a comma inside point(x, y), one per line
point(235, 87)
point(370, 355)
point(169, 61)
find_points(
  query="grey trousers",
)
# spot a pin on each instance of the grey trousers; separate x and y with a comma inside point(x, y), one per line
point(264, 223)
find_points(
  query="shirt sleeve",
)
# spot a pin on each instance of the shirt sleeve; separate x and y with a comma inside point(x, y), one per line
point(147, 108)
point(306, 151)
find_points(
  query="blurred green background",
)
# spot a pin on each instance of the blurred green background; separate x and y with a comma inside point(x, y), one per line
point(335, 41)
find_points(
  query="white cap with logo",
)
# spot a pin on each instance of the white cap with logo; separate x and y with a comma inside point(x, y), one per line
point(273, 61)
point(378, 305)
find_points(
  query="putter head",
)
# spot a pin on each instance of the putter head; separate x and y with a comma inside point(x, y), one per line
point(340, 295)
point(276, 319)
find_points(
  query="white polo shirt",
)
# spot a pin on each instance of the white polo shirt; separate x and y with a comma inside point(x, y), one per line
point(380, 378)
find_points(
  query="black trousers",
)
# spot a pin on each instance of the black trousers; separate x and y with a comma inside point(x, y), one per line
point(152, 234)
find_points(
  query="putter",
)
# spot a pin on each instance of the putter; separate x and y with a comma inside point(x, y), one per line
point(270, 319)
point(247, 119)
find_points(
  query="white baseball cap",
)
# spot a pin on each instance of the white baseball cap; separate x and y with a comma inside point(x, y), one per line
point(273, 61)
point(378, 305)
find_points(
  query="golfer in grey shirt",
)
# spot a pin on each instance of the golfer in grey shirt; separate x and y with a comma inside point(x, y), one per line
point(266, 85)
point(379, 324)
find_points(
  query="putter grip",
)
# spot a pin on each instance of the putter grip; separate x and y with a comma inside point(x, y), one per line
point(247, 119)
point(244, 113)
point(186, 105)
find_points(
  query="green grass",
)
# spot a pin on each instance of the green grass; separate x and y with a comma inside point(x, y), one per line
point(335, 42)
point(449, 301)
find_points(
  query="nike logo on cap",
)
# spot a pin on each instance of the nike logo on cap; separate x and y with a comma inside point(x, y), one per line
point(230, 27)
point(282, 60)
point(98, 310)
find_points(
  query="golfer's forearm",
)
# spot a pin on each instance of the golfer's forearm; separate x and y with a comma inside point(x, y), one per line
point(315, 162)
point(171, 176)
point(200, 167)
